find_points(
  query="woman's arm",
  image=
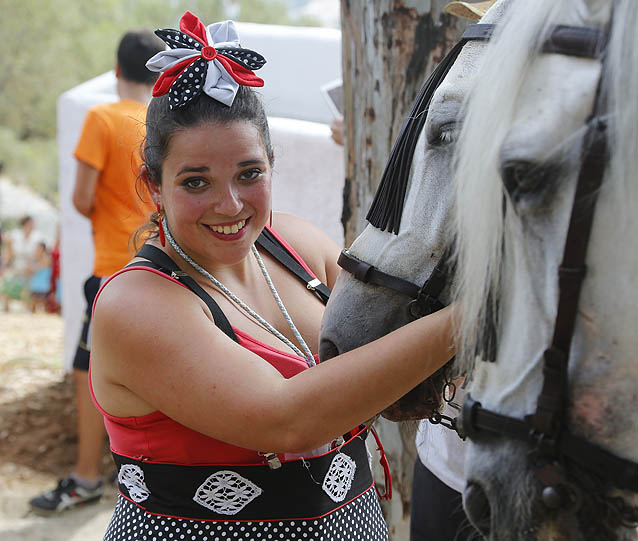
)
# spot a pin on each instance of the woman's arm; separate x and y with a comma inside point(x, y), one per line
point(155, 349)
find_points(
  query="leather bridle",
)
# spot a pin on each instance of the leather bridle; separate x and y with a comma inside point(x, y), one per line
point(554, 446)
point(568, 40)
point(424, 299)
point(545, 429)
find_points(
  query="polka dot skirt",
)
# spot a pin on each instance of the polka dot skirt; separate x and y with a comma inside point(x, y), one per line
point(359, 520)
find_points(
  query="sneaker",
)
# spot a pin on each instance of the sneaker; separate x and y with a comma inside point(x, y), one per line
point(66, 495)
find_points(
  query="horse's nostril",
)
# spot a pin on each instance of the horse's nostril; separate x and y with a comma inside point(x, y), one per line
point(327, 350)
point(477, 507)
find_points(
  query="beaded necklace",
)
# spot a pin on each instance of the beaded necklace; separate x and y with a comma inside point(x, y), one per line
point(306, 354)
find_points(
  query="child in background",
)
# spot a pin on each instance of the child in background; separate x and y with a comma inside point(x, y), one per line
point(40, 280)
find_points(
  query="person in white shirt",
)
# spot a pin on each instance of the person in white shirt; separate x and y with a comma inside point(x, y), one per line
point(18, 251)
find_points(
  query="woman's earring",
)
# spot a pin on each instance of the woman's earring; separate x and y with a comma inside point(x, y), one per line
point(270, 223)
point(162, 238)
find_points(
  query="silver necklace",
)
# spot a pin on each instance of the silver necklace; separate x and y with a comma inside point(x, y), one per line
point(306, 354)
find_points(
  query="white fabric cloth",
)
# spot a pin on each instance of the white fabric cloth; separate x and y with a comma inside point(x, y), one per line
point(23, 249)
point(441, 450)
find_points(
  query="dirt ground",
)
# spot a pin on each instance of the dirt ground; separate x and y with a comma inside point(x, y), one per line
point(38, 432)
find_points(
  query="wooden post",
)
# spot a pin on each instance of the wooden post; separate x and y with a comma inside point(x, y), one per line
point(389, 48)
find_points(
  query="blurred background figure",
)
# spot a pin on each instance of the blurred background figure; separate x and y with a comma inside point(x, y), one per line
point(337, 131)
point(18, 250)
point(108, 164)
point(54, 297)
point(39, 278)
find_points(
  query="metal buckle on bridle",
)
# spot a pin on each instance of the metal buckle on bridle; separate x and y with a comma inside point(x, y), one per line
point(424, 305)
point(453, 423)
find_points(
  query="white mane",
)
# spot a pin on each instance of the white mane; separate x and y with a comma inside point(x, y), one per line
point(481, 222)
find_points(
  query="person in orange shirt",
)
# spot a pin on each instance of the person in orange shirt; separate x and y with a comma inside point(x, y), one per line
point(108, 164)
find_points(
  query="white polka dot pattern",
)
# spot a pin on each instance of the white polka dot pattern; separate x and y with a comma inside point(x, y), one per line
point(360, 520)
point(189, 84)
point(178, 40)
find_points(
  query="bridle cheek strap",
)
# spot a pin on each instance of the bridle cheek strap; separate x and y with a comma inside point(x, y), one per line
point(545, 429)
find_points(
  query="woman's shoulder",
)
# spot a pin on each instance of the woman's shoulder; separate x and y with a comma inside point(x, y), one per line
point(131, 293)
point(314, 246)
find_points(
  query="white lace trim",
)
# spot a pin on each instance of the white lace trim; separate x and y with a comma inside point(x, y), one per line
point(226, 492)
point(338, 480)
point(132, 477)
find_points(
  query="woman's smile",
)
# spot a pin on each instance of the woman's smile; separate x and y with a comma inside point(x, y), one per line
point(229, 231)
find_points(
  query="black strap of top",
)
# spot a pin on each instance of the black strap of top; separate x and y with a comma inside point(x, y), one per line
point(271, 244)
point(162, 262)
point(159, 260)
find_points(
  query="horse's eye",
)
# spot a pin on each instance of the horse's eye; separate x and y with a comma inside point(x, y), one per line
point(523, 178)
point(442, 135)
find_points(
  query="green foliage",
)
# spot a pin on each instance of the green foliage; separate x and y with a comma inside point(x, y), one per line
point(33, 162)
point(51, 46)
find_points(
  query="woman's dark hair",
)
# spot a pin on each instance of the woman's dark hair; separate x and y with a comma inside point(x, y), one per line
point(162, 123)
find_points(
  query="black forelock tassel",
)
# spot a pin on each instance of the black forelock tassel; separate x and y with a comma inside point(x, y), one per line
point(387, 206)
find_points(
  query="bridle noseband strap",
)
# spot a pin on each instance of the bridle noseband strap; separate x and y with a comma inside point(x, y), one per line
point(369, 274)
point(478, 422)
point(425, 299)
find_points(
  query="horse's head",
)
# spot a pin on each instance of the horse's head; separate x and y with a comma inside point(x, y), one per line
point(515, 198)
point(360, 312)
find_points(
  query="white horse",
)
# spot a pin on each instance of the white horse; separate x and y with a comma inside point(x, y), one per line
point(515, 194)
point(357, 312)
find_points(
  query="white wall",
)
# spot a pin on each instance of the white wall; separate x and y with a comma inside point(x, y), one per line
point(299, 60)
point(309, 170)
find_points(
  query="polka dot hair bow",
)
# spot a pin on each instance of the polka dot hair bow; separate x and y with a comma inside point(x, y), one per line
point(203, 59)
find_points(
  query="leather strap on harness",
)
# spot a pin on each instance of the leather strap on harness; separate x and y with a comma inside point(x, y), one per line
point(425, 298)
point(479, 422)
point(551, 407)
point(369, 274)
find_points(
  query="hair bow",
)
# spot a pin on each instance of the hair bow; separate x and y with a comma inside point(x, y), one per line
point(201, 58)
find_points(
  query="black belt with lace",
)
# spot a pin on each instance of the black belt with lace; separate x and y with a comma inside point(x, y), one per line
point(299, 489)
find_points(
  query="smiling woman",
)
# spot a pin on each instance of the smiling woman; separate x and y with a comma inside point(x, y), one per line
point(218, 415)
point(216, 188)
